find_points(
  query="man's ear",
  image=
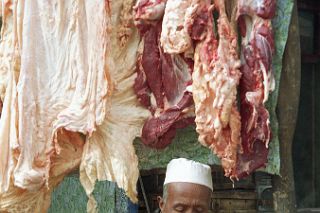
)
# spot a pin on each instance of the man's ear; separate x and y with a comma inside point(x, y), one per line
point(161, 203)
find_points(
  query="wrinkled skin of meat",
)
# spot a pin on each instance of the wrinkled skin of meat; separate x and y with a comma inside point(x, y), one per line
point(75, 55)
point(109, 153)
point(18, 200)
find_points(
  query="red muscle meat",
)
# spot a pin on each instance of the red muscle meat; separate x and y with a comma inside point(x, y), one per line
point(151, 63)
point(254, 18)
point(159, 131)
point(162, 80)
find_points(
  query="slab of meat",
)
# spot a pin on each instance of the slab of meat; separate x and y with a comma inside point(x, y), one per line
point(109, 153)
point(54, 66)
point(257, 82)
point(62, 80)
point(18, 200)
point(161, 84)
point(215, 79)
point(9, 67)
point(75, 56)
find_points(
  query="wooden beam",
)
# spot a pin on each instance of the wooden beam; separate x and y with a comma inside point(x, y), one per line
point(287, 110)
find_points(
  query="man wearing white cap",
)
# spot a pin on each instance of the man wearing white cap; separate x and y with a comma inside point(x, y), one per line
point(187, 187)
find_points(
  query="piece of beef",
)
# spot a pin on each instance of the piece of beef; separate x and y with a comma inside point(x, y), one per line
point(175, 76)
point(215, 79)
point(254, 18)
point(152, 64)
point(162, 81)
point(54, 65)
point(159, 131)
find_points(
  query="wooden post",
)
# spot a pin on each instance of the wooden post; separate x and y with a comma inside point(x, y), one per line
point(287, 109)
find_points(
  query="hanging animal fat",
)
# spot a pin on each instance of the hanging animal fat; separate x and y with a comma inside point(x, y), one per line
point(67, 69)
point(215, 80)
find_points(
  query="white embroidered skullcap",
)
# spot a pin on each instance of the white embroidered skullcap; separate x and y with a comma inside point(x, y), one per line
point(188, 171)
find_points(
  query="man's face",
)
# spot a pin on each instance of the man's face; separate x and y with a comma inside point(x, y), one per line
point(186, 198)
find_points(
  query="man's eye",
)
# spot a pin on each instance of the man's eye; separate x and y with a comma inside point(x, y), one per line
point(179, 208)
point(200, 210)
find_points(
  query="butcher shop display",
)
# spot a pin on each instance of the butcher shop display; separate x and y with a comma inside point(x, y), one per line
point(79, 81)
point(181, 39)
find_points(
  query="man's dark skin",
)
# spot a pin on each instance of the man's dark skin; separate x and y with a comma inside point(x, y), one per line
point(186, 198)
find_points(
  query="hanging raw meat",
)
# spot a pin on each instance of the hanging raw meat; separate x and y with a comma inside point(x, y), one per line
point(18, 200)
point(215, 79)
point(254, 18)
point(55, 80)
point(60, 61)
point(109, 153)
point(9, 67)
point(161, 84)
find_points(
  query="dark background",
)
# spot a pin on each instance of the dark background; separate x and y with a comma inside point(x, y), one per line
point(306, 144)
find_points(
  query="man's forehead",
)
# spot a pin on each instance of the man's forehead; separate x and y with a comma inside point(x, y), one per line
point(186, 186)
point(184, 193)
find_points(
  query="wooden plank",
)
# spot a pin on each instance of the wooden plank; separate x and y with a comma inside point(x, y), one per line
point(235, 194)
point(284, 194)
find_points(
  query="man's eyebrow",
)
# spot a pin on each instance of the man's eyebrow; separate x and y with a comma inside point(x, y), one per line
point(180, 203)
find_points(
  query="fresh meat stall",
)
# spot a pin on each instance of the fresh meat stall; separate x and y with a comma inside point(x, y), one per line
point(98, 96)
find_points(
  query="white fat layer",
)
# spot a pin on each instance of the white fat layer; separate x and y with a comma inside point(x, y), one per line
point(265, 82)
point(174, 36)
